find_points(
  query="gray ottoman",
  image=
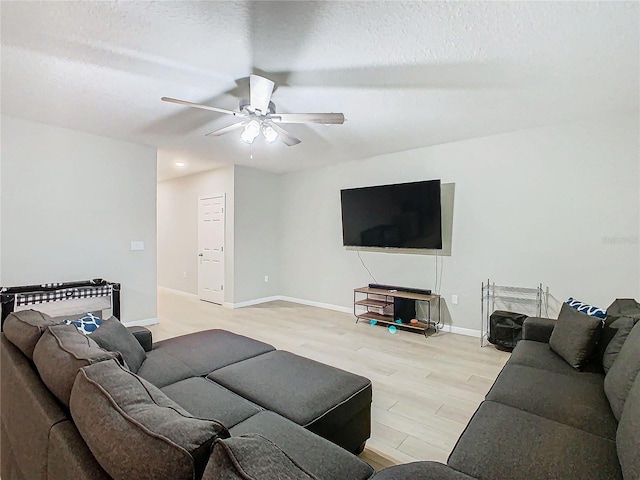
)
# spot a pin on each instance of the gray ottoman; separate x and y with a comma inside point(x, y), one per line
point(330, 402)
point(197, 354)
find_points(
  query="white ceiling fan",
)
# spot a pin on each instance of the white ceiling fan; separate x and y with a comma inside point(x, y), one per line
point(258, 115)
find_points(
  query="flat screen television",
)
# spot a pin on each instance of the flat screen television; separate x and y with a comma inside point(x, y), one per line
point(402, 215)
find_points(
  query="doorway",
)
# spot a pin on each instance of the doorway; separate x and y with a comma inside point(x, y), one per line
point(211, 229)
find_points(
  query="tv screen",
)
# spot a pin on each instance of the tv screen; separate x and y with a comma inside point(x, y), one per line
point(403, 215)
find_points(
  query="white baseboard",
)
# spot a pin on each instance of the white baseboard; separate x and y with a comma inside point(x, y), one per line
point(312, 303)
point(255, 301)
point(141, 323)
point(284, 298)
point(469, 332)
point(178, 292)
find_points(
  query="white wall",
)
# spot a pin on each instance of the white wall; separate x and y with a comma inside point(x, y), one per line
point(1, 283)
point(71, 204)
point(178, 228)
point(557, 205)
point(257, 234)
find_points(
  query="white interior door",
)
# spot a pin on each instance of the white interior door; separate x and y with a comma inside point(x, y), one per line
point(211, 224)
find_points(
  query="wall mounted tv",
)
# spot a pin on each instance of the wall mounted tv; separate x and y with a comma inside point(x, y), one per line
point(402, 215)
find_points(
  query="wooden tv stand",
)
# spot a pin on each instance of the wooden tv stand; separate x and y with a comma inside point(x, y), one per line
point(376, 300)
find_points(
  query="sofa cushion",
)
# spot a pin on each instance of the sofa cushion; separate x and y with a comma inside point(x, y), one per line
point(252, 456)
point(628, 438)
point(504, 442)
point(325, 397)
point(206, 399)
point(197, 354)
point(421, 471)
point(115, 337)
point(136, 431)
point(539, 355)
point(575, 336)
point(620, 329)
point(623, 372)
point(316, 455)
point(565, 399)
point(24, 329)
point(61, 352)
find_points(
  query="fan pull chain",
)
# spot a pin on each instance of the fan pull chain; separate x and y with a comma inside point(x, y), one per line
point(251, 151)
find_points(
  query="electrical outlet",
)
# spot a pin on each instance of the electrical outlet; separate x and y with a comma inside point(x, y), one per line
point(184, 274)
point(454, 299)
point(266, 278)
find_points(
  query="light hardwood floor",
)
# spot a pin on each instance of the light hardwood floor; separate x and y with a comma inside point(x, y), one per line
point(424, 390)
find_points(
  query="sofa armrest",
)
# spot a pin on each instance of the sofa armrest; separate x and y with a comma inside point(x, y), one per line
point(144, 337)
point(538, 329)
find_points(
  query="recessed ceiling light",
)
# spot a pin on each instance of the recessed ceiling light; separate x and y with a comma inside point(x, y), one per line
point(180, 164)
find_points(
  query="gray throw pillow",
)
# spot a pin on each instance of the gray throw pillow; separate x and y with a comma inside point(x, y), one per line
point(575, 336)
point(61, 352)
point(134, 430)
point(24, 329)
point(113, 336)
point(623, 372)
point(252, 456)
point(622, 327)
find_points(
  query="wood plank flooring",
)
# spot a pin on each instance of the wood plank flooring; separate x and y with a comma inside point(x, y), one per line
point(424, 390)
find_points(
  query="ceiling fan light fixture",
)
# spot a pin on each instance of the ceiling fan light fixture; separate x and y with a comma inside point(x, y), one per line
point(258, 115)
point(269, 133)
point(251, 131)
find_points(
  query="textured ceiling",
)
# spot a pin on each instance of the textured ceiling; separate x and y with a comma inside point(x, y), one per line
point(405, 74)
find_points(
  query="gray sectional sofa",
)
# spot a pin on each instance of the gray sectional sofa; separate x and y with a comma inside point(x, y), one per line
point(112, 405)
point(546, 420)
point(219, 406)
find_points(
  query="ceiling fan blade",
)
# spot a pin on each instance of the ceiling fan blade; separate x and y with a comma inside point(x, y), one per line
point(260, 90)
point(285, 136)
point(324, 118)
point(227, 129)
point(204, 107)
